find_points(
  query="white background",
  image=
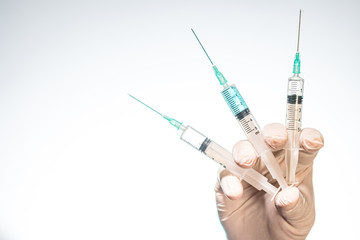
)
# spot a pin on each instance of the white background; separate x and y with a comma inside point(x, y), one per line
point(79, 159)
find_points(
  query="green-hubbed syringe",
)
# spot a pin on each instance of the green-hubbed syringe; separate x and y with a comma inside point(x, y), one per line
point(247, 121)
point(295, 93)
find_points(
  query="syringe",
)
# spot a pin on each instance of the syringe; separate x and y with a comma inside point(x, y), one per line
point(293, 116)
point(246, 120)
point(214, 151)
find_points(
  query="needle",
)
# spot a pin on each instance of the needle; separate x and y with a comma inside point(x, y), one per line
point(145, 104)
point(299, 32)
point(202, 47)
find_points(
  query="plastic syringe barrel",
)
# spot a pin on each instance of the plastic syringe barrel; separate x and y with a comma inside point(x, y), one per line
point(252, 130)
point(214, 151)
point(293, 125)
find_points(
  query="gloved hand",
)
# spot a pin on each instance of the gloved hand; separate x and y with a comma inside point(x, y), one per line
point(247, 213)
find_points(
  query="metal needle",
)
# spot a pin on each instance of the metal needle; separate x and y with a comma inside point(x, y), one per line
point(202, 46)
point(145, 104)
point(299, 32)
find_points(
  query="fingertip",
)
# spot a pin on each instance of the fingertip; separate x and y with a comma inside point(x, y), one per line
point(231, 187)
point(244, 154)
point(287, 198)
point(311, 140)
point(275, 135)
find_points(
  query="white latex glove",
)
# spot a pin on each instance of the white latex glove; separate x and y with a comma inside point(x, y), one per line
point(247, 213)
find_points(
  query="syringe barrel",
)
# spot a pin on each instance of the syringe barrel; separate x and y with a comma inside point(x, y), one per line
point(214, 151)
point(295, 93)
point(202, 143)
point(252, 130)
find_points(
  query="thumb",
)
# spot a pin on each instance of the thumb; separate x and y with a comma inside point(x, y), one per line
point(295, 208)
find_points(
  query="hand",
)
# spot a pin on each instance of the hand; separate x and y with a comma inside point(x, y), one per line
point(247, 213)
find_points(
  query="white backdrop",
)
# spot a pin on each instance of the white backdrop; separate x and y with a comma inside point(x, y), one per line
point(79, 159)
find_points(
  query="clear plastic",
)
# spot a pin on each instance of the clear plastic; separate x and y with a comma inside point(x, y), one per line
point(224, 158)
point(293, 125)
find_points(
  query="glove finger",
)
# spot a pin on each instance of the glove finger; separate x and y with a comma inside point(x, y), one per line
point(275, 136)
point(311, 141)
point(244, 154)
point(230, 184)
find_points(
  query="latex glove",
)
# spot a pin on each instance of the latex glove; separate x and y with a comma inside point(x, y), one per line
point(247, 213)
